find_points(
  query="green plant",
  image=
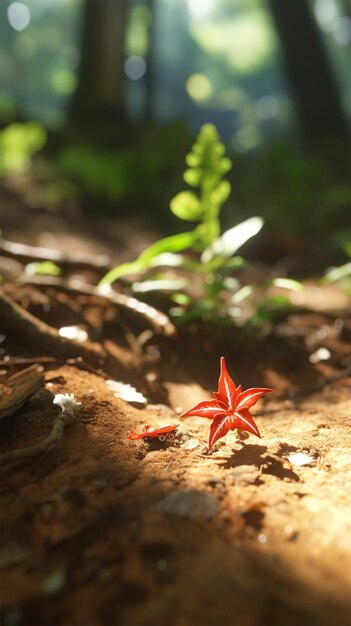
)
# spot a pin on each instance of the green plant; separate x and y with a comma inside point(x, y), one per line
point(19, 142)
point(341, 274)
point(199, 282)
point(43, 268)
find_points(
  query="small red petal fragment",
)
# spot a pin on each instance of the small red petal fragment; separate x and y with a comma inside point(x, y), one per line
point(135, 436)
point(209, 408)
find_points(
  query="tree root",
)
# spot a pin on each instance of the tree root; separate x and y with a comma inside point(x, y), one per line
point(159, 322)
point(32, 330)
point(12, 362)
point(21, 454)
point(78, 260)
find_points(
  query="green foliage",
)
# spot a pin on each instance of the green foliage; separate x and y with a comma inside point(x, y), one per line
point(101, 173)
point(19, 142)
point(207, 166)
point(43, 268)
point(300, 194)
point(128, 176)
point(199, 283)
point(341, 274)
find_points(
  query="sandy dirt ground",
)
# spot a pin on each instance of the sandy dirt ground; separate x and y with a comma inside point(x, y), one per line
point(104, 530)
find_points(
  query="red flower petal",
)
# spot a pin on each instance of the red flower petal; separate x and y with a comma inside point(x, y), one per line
point(219, 428)
point(248, 398)
point(209, 408)
point(230, 409)
point(244, 421)
point(227, 391)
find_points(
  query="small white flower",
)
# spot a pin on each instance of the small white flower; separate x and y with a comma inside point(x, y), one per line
point(67, 402)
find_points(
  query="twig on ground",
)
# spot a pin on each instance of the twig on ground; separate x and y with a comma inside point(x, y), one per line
point(26, 254)
point(66, 417)
point(14, 361)
point(158, 321)
point(32, 330)
point(17, 388)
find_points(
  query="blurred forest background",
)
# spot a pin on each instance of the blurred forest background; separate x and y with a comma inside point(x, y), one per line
point(101, 100)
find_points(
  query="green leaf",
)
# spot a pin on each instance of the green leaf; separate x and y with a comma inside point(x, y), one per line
point(233, 239)
point(208, 134)
point(268, 308)
point(169, 259)
point(192, 160)
point(232, 284)
point(221, 193)
point(121, 270)
point(242, 294)
point(225, 165)
point(347, 248)
point(287, 283)
point(175, 243)
point(337, 273)
point(192, 177)
point(186, 206)
point(229, 265)
point(182, 299)
point(159, 285)
point(44, 268)
point(274, 302)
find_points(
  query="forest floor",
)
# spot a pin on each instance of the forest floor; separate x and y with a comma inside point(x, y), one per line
point(102, 530)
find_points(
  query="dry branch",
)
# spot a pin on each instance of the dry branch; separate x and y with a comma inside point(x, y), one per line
point(21, 454)
point(27, 254)
point(12, 362)
point(36, 332)
point(17, 388)
point(159, 322)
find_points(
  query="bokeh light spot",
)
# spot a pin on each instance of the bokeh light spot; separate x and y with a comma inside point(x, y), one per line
point(199, 87)
point(325, 12)
point(267, 107)
point(342, 30)
point(246, 138)
point(200, 8)
point(18, 16)
point(135, 67)
point(64, 81)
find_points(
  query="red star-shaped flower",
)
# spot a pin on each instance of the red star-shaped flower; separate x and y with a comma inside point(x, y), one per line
point(230, 409)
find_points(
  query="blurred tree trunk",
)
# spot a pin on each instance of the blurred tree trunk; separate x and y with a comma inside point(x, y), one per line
point(149, 76)
point(99, 95)
point(320, 113)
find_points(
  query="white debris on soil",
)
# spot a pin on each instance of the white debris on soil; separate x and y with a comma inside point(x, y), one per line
point(66, 402)
point(300, 458)
point(74, 332)
point(189, 503)
point(322, 354)
point(126, 392)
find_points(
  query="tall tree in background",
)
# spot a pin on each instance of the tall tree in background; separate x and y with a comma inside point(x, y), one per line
point(99, 94)
point(315, 93)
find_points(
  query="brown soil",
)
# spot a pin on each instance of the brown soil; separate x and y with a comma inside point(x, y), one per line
point(102, 530)
point(91, 534)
